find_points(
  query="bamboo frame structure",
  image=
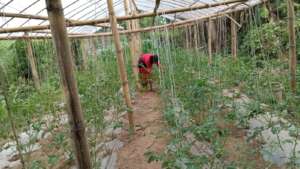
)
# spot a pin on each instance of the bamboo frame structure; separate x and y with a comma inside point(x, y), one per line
point(292, 41)
point(33, 68)
point(121, 64)
point(63, 50)
point(122, 18)
point(147, 29)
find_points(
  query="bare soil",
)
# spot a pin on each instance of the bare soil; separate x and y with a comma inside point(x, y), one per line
point(240, 151)
point(150, 134)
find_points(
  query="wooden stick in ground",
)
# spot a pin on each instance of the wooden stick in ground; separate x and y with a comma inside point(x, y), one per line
point(32, 63)
point(186, 37)
point(84, 54)
point(195, 36)
point(121, 64)
point(4, 91)
point(133, 42)
point(63, 51)
point(94, 48)
point(233, 40)
point(292, 41)
point(136, 42)
point(209, 41)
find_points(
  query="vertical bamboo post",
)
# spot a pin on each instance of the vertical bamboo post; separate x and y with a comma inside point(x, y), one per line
point(190, 36)
point(133, 44)
point(94, 48)
point(84, 54)
point(186, 37)
point(209, 41)
point(233, 40)
point(292, 41)
point(63, 51)
point(126, 9)
point(121, 65)
point(33, 67)
point(136, 41)
point(195, 36)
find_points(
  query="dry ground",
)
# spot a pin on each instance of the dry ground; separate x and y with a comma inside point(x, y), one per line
point(150, 134)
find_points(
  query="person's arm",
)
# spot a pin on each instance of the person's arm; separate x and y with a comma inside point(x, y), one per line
point(143, 65)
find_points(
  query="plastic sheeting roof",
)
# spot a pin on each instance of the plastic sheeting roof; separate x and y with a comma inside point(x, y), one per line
point(96, 9)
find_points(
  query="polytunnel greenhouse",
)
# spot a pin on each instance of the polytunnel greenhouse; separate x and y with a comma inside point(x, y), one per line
point(149, 84)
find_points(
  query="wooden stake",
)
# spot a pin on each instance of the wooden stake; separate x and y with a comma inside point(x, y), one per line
point(94, 48)
point(292, 41)
point(190, 37)
point(63, 51)
point(121, 64)
point(84, 54)
point(133, 43)
point(186, 36)
point(233, 40)
point(196, 36)
point(33, 68)
point(209, 41)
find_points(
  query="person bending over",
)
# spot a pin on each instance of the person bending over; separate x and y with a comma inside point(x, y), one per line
point(145, 64)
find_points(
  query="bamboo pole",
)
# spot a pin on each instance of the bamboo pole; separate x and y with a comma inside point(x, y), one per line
point(94, 48)
point(32, 63)
point(121, 18)
point(233, 40)
point(134, 42)
point(121, 64)
point(63, 51)
point(38, 17)
point(49, 32)
point(20, 15)
point(209, 41)
point(4, 87)
point(195, 36)
point(292, 41)
point(132, 45)
point(84, 54)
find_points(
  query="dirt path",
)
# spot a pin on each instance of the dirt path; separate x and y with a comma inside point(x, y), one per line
point(151, 134)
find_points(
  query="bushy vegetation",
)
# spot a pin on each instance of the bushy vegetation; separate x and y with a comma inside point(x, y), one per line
point(267, 36)
point(98, 86)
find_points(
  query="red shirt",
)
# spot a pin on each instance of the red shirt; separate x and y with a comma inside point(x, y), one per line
point(145, 63)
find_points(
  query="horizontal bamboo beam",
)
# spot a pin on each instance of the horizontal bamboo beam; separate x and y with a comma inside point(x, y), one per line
point(122, 18)
point(48, 32)
point(19, 15)
point(29, 16)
